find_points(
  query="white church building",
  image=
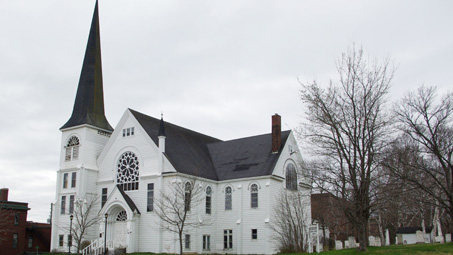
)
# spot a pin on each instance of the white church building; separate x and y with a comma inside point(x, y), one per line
point(125, 171)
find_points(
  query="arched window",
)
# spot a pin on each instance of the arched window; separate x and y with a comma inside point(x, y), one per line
point(127, 175)
point(291, 177)
point(228, 198)
point(122, 216)
point(187, 196)
point(254, 196)
point(72, 148)
point(208, 199)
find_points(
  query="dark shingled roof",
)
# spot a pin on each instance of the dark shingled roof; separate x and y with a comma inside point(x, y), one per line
point(201, 155)
point(186, 149)
point(89, 101)
point(245, 157)
point(128, 200)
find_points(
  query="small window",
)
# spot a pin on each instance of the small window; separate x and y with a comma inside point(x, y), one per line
point(254, 196)
point(14, 240)
point(291, 177)
point(16, 219)
point(228, 198)
point(228, 239)
point(71, 204)
point(30, 242)
point(206, 242)
point(187, 196)
point(104, 197)
point(122, 216)
point(63, 205)
point(208, 199)
point(187, 242)
point(61, 240)
point(254, 234)
point(150, 202)
point(128, 131)
point(73, 179)
point(65, 180)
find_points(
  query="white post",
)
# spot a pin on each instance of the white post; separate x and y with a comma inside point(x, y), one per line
point(317, 238)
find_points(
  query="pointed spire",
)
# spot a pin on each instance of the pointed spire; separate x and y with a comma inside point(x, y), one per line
point(89, 101)
point(161, 126)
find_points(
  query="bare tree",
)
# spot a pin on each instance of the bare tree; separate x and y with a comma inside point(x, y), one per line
point(290, 222)
point(347, 129)
point(85, 216)
point(427, 155)
point(175, 205)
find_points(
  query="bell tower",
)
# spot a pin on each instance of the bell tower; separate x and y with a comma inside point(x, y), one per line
point(84, 136)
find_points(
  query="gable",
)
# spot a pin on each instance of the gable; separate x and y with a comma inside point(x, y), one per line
point(140, 144)
point(119, 197)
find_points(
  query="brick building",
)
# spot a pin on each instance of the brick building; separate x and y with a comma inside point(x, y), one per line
point(327, 211)
point(17, 236)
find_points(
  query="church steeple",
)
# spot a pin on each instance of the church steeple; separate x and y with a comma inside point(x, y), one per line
point(89, 101)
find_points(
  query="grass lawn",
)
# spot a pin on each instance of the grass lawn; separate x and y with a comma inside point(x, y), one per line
point(417, 249)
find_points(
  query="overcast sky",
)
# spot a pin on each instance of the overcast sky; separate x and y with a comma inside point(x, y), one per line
point(221, 68)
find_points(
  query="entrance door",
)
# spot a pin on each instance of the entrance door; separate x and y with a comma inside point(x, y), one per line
point(120, 230)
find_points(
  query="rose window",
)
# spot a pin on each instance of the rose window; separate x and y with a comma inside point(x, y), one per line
point(127, 175)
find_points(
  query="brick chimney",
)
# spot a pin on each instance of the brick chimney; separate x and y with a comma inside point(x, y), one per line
point(4, 194)
point(276, 133)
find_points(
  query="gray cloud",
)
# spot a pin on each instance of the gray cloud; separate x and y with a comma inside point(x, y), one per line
point(220, 68)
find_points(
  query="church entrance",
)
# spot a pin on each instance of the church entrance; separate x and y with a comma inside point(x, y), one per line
point(120, 230)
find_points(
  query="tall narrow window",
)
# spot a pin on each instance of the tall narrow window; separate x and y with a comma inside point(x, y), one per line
point(14, 240)
point(291, 177)
point(150, 202)
point(65, 180)
point(16, 219)
point(104, 197)
point(73, 179)
point(187, 242)
point(206, 242)
point(71, 204)
point(228, 239)
point(228, 198)
point(60, 240)
point(128, 175)
point(187, 196)
point(72, 149)
point(63, 205)
point(30, 242)
point(208, 199)
point(254, 196)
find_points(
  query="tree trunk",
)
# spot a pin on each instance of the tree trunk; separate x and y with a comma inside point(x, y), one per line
point(180, 242)
point(363, 239)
